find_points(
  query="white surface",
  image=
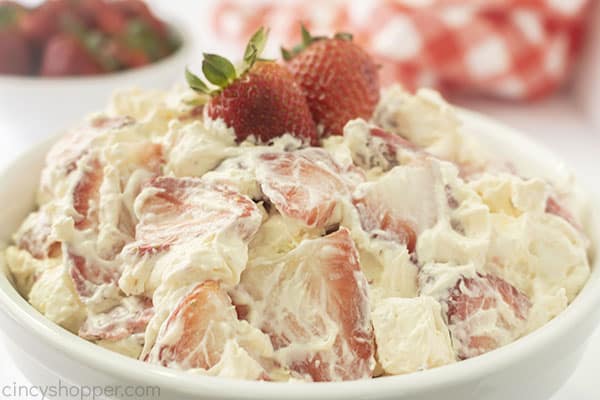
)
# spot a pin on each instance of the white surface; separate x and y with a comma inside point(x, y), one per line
point(556, 123)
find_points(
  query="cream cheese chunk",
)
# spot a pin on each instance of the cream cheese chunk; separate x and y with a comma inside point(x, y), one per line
point(411, 335)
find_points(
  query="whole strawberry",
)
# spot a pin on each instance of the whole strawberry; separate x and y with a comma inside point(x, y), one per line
point(261, 100)
point(340, 80)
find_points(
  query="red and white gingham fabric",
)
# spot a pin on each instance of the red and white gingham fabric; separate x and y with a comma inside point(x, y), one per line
point(515, 49)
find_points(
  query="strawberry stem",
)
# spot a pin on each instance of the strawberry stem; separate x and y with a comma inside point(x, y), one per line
point(196, 83)
point(220, 72)
point(255, 47)
point(307, 40)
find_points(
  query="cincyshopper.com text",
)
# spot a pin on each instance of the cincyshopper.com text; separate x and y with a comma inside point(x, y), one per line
point(61, 390)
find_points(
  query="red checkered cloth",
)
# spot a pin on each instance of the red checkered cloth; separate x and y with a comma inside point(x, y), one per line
point(515, 49)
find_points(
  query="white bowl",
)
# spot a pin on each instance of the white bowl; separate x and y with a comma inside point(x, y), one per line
point(533, 367)
point(36, 106)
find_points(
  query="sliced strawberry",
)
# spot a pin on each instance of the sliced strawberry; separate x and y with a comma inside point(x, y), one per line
point(300, 187)
point(86, 194)
point(391, 147)
point(89, 272)
point(554, 207)
point(469, 298)
point(375, 148)
point(390, 211)
point(151, 157)
point(395, 147)
point(393, 142)
point(182, 209)
point(89, 275)
point(313, 303)
point(36, 237)
point(340, 80)
point(263, 100)
point(63, 157)
point(131, 316)
point(382, 223)
point(71, 147)
point(195, 333)
point(351, 175)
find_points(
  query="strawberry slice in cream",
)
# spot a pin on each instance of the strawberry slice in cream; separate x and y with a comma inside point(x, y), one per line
point(313, 304)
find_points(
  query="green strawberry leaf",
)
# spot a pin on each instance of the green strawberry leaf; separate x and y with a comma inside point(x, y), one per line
point(256, 44)
point(196, 83)
point(307, 39)
point(218, 70)
point(255, 47)
point(249, 58)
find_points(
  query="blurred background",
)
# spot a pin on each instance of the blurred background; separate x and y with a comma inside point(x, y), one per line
point(532, 64)
point(529, 63)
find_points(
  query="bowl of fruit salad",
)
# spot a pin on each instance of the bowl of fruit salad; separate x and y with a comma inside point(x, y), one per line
point(63, 58)
point(289, 230)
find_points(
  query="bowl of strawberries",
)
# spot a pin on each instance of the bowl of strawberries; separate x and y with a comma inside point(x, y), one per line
point(63, 58)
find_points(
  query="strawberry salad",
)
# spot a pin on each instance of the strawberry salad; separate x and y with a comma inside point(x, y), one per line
point(287, 221)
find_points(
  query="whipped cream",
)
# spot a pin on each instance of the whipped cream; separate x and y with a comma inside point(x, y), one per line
point(397, 247)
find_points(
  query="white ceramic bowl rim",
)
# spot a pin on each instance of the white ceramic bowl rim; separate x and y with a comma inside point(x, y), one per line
point(135, 371)
point(182, 51)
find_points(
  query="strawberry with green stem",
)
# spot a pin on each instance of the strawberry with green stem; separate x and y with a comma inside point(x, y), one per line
point(261, 99)
point(340, 80)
